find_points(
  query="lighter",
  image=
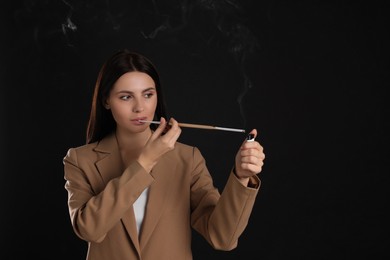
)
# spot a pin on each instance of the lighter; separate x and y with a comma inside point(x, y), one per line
point(250, 138)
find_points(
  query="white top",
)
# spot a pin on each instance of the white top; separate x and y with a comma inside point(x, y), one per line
point(139, 208)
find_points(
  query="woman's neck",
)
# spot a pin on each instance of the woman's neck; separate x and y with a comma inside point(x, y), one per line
point(131, 145)
point(132, 142)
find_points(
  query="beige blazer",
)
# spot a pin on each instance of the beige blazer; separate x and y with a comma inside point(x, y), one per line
point(181, 196)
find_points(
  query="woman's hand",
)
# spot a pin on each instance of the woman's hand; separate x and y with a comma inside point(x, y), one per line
point(161, 142)
point(249, 159)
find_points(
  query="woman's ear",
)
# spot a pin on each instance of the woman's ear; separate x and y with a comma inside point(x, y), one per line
point(106, 104)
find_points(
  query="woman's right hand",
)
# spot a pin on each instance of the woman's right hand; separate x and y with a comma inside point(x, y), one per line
point(160, 142)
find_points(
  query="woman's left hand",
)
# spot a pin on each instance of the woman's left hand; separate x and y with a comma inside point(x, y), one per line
point(249, 159)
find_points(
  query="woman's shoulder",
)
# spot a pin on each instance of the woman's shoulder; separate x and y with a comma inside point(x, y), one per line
point(84, 147)
point(81, 150)
point(186, 150)
point(105, 145)
point(184, 147)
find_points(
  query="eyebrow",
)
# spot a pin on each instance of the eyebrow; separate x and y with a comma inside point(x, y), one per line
point(131, 92)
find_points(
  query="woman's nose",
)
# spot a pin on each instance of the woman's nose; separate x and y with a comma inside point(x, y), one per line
point(137, 108)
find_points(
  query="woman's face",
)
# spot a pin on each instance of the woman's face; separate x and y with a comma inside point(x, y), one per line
point(133, 98)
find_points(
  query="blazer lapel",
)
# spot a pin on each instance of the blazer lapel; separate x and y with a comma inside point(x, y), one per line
point(158, 193)
point(109, 163)
point(110, 166)
point(128, 221)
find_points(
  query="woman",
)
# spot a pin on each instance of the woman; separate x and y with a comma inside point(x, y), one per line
point(134, 191)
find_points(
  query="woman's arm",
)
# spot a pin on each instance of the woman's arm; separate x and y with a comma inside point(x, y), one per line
point(221, 219)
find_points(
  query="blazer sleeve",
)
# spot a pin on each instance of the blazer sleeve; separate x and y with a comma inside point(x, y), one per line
point(93, 213)
point(220, 218)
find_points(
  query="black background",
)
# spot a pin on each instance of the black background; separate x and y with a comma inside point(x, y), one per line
point(311, 76)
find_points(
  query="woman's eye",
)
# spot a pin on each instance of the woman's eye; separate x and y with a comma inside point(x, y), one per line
point(125, 97)
point(148, 95)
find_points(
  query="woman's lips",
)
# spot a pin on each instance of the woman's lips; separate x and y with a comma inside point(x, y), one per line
point(137, 121)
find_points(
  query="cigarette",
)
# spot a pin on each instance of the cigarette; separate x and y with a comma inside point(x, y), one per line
point(209, 127)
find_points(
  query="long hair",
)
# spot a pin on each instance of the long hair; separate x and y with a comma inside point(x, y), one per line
point(101, 121)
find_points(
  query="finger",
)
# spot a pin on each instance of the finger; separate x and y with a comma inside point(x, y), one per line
point(248, 158)
point(251, 136)
point(253, 168)
point(253, 159)
point(253, 132)
point(250, 152)
point(174, 124)
point(171, 132)
point(174, 131)
point(252, 146)
point(160, 129)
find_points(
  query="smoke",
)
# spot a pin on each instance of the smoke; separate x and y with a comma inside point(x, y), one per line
point(225, 26)
point(68, 25)
point(205, 24)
